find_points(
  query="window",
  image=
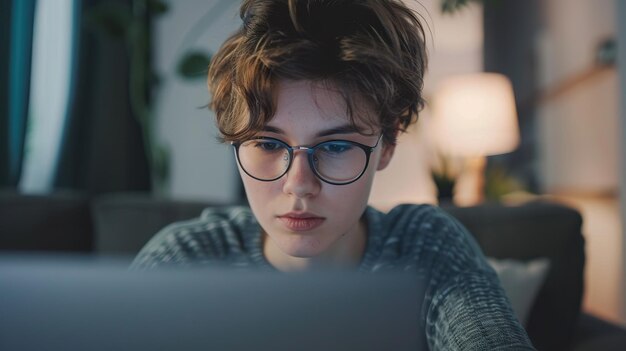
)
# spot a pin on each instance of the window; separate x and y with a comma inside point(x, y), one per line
point(50, 91)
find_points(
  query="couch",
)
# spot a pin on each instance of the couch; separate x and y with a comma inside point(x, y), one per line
point(120, 224)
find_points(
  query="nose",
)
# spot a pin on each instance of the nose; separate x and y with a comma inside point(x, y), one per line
point(300, 180)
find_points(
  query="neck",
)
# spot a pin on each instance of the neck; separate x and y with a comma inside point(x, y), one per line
point(346, 253)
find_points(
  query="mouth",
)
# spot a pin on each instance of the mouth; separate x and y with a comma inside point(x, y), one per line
point(300, 221)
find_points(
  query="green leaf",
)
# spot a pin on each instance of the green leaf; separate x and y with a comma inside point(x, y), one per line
point(194, 65)
point(160, 163)
point(158, 7)
point(112, 19)
point(606, 53)
point(498, 182)
point(450, 6)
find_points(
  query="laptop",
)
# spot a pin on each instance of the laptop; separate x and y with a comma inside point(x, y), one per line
point(90, 304)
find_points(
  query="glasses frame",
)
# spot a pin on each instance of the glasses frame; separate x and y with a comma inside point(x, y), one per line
point(309, 151)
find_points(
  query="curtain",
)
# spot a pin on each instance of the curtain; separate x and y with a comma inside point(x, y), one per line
point(16, 36)
point(103, 149)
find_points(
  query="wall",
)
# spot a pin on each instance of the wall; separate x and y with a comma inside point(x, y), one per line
point(579, 139)
point(201, 168)
point(578, 129)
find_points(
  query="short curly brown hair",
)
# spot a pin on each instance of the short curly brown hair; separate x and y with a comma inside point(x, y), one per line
point(368, 50)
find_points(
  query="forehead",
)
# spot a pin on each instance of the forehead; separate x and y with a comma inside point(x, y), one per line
point(314, 105)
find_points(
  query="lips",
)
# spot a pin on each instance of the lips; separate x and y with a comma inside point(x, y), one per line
point(301, 221)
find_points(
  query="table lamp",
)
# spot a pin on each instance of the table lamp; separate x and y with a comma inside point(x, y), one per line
point(474, 116)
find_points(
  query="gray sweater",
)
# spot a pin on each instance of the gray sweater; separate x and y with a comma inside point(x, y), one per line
point(465, 307)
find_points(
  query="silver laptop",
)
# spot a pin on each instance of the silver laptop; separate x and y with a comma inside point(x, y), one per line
point(86, 304)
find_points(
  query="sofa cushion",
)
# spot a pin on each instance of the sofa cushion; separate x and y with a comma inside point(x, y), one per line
point(55, 222)
point(125, 222)
point(521, 282)
point(595, 334)
point(533, 230)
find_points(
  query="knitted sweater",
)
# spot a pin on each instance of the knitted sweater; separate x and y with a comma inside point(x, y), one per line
point(465, 307)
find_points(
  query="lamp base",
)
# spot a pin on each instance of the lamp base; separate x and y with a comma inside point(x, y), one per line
point(470, 184)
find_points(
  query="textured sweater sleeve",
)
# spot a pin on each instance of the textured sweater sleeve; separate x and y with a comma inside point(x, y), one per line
point(215, 237)
point(465, 307)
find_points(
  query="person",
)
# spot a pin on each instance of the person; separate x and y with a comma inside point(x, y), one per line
point(312, 95)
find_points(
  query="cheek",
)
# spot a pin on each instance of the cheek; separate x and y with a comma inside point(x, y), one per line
point(355, 195)
point(260, 195)
point(251, 187)
point(364, 186)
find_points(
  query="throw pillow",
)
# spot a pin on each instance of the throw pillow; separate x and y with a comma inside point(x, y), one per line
point(521, 282)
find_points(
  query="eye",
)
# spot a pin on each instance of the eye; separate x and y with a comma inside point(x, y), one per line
point(267, 145)
point(336, 147)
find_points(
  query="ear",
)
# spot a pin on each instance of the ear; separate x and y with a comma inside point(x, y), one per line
point(386, 155)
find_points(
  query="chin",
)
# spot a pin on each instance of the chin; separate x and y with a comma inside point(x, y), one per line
point(303, 248)
point(302, 252)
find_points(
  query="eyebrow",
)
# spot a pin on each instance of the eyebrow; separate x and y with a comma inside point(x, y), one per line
point(343, 129)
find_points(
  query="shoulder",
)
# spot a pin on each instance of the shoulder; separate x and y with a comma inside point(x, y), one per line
point(461, 290)
point(214, 222)
point(423, 235)
point(410, 222)
point(215, 234)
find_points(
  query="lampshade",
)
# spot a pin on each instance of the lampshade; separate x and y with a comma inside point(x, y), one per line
point(475, 115)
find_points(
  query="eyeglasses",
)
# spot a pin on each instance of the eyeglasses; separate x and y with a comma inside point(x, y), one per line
point(337, 162)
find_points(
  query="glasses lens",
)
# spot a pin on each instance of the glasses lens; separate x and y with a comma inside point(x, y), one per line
point(264, 159)
point(339, 161)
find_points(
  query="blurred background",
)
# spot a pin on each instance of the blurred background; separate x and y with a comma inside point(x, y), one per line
point(102, 96)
